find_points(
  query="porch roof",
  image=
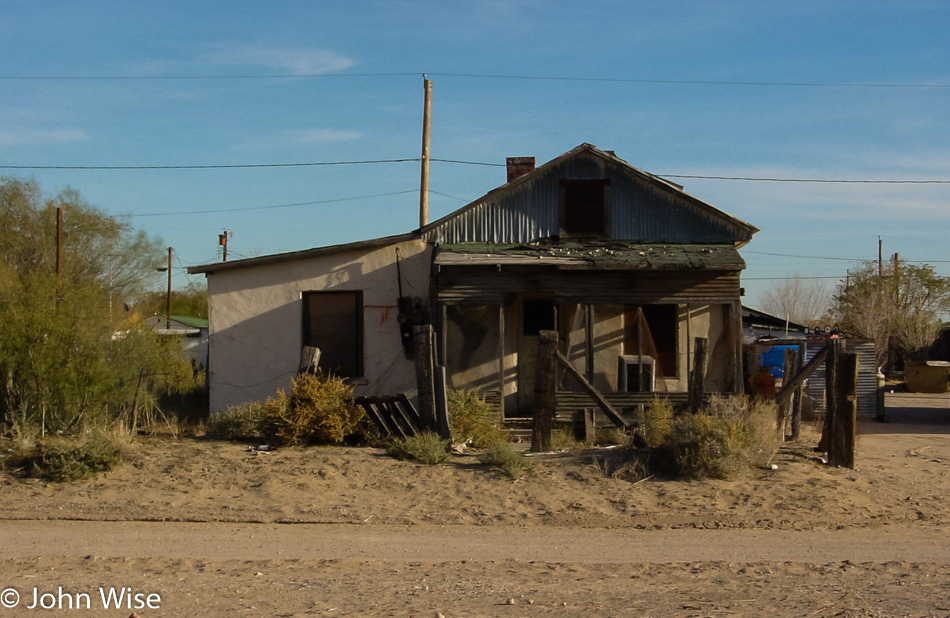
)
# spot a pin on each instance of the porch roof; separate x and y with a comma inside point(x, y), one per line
point(593, 255)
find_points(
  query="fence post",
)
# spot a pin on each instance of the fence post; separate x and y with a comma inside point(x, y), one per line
point(844, 425)
point(545, 383)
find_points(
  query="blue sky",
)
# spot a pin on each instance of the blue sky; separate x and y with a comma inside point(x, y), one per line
point(806, 90)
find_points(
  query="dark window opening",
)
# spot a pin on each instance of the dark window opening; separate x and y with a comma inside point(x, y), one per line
point(584, 207)
point(654, 335)
point(333, 322)
point(537, 315)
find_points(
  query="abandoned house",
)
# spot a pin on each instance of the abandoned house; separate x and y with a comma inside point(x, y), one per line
point(624, 265)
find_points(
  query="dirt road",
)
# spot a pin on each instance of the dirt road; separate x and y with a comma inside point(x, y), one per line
point(440, 544)
point(223, 569)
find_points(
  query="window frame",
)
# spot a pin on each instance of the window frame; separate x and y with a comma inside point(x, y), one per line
point(307, 337)
point(569, 206)
point(667, 365)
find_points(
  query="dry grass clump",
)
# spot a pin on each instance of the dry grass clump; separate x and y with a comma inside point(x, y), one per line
point(473, 419)
point(511, 463)
point(318, 410)
point(241, 422)
point(427, 448)
point(656, 424)
point(720, 441)
point(724, 439)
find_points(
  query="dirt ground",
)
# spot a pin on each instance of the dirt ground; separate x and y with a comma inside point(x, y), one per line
point(223, 529)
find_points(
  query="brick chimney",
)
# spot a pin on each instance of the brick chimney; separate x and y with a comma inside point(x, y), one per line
point(518, 166)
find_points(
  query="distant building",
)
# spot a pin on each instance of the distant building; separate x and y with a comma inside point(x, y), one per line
point(193, 330)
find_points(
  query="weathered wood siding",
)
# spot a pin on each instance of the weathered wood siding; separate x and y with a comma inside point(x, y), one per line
point(640, 207)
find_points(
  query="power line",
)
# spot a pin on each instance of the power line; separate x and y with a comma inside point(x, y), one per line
point(453, 161)
point(844, 259)
point(693, 82)
point(784, 278)
point(809, 257)
point(561, 78)
point(196, 77)
point(314, 203)
point(202, 167)
point(811, 180)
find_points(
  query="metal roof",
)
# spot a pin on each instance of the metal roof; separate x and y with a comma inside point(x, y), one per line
point(592, 255)
point(668, 217)
point(299, 255)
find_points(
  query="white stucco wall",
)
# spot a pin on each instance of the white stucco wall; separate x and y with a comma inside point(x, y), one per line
point(256, 318)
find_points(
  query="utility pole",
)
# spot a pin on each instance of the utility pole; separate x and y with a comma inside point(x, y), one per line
point(897, 279)
point(168, 294)
point(424, 188)
point(223, 241)
point(59, 243)
point(880, 258)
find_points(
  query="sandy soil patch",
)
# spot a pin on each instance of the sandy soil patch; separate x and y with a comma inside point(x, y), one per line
point(900, 487)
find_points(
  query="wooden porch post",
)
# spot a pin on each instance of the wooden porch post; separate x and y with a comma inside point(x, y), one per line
point(501, 361)
point(545, 384)
point(589, 342)
point(697, 376)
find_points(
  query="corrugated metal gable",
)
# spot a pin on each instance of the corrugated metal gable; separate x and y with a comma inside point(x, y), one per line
point(641, 207)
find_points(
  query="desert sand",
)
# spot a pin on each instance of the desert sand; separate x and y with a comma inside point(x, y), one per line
point(216, 528)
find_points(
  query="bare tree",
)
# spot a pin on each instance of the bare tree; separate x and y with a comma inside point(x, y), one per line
point(801, 300)
point(904, 300)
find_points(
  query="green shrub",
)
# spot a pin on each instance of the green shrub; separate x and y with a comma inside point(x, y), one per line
point(319, 409)
point(502, 456)
point(63, 460)
point(426, 447)
point(241, 422)
point(473, 419)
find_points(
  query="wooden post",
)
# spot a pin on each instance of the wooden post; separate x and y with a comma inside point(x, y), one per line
point(544, 387)
point(424, 181)
point(501, 362)
point(785, 408)
point(831, 391)
point(590, 426)
point(59, 242)
point(168, 294)
point(697, 375)
point(442, 404)
point(735, 330)
point(425, 374)
point(844, 423)
point(589, 342)
point(797, 397)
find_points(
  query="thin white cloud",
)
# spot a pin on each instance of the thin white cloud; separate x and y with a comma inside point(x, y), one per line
point(41, 137)
point(303, 137)
point(322, 136)
point(296, 61)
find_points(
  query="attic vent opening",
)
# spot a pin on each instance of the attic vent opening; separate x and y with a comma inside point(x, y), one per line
point(584, 207)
